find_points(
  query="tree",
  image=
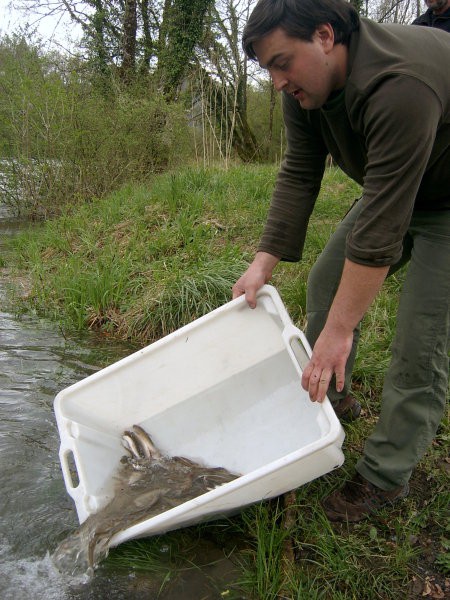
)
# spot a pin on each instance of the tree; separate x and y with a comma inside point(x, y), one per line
point(393, 11)
point(224, 73)
point(159, 36)
point(128, 66)
point(181, 30)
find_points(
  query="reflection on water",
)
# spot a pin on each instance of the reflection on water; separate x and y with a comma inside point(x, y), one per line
point(36, 362)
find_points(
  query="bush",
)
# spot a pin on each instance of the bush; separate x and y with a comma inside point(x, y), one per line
point(66, 138)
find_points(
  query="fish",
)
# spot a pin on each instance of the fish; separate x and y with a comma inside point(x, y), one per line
point(147, 483)
point(140, 445)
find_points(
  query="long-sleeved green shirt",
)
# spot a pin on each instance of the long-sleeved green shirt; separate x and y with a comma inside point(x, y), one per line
point(388, 129)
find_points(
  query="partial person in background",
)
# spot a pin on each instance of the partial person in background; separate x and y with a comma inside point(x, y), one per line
point(437, 15)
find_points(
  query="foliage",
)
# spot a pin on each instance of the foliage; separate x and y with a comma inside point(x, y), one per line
point(67, 140)
point(69, 134)
point(391, 11)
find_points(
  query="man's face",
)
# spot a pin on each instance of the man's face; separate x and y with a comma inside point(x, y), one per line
point(437, 6)
point(306, 70)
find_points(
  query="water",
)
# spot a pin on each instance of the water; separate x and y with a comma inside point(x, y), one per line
point(36, 513)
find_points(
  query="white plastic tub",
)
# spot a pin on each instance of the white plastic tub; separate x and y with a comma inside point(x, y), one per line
point(223, 391)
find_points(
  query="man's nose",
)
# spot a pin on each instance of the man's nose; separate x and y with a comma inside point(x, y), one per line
point(279, 81)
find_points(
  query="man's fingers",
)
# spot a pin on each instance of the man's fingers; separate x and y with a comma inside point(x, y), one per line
point(250, 296)
point(237, 290)
point(316, 381)
point(340, 379)
point(310, 379)
point(323, 385)
point(250, 291)
point(306, 376)
point(322, 388)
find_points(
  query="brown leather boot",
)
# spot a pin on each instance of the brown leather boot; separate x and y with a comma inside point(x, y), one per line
point(359, 499)
point(348, 409)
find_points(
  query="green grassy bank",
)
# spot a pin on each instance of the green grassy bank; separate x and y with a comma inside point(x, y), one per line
point(147, 260)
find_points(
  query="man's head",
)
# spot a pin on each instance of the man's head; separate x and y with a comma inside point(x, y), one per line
point(438, 6)
point(303, 45)
point(300, 19)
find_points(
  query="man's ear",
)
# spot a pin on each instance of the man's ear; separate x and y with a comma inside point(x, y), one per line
point(325, 34)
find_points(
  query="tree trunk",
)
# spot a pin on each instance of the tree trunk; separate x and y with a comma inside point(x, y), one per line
point(128, 67)
point(148, 42)
point(181, 30)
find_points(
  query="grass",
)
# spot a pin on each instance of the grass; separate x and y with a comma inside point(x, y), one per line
point(144, 261)
point(147, 260)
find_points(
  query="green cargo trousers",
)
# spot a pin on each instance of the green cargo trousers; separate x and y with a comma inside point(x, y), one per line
point(415, 385)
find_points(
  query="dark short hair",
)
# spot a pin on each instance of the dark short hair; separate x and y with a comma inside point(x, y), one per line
point(300, 19)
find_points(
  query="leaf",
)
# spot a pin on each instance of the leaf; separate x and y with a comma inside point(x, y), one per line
point(432, 590)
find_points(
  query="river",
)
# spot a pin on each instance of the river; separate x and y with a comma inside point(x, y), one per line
point(37, 361)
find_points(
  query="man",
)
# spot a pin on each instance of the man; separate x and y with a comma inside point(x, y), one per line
point(437, 15)
point(374, 97)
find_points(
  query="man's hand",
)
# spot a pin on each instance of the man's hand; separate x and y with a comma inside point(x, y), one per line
point(358, 287)
point(258, 273)
point(329, 357)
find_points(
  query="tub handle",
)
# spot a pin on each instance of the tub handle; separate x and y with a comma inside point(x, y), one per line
point(73, 479)
point(301, 351)
point(69, 468)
